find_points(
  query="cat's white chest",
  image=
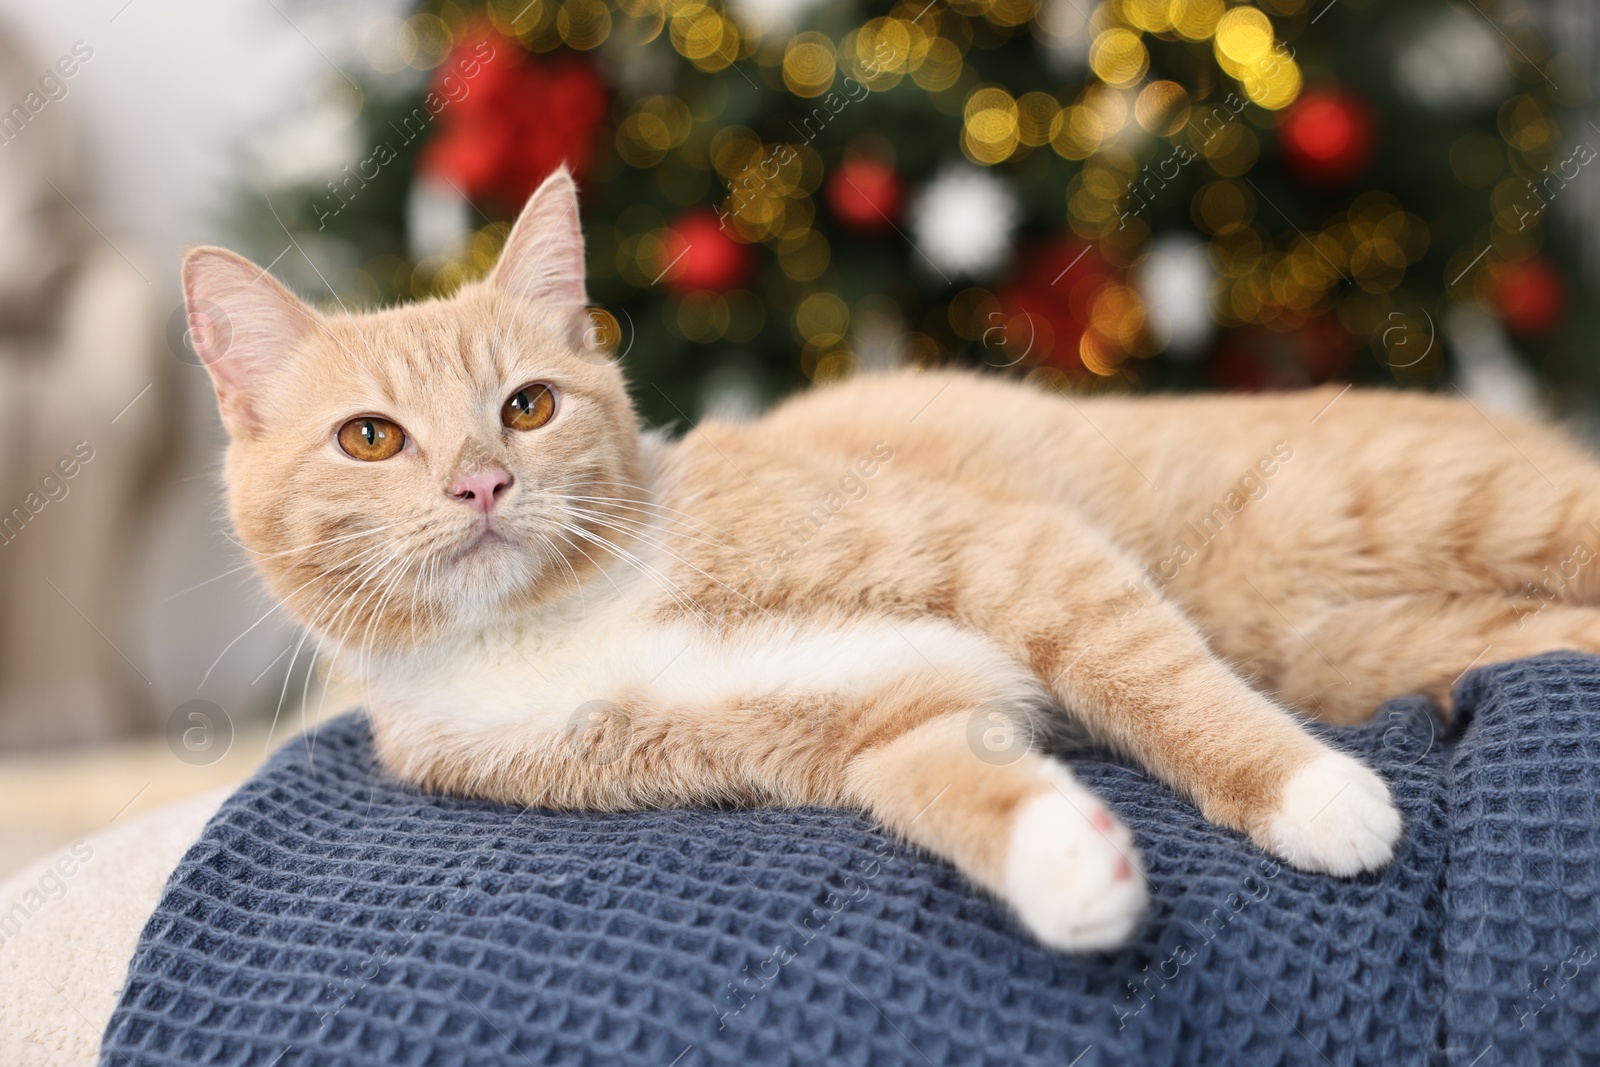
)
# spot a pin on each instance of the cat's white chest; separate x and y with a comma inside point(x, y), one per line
point(540, 674)
point(537, 678)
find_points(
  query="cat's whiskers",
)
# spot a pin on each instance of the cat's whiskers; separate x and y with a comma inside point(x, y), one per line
point(416, 590)
point(389, 590)
point(592, 561)
point(369, 573)
point(638, 530)
point(667, 585)
point(357, 578)
point(374, 578)
point(326, 600)
point(252, 563)
point(282, 603)
point(340, 598)
point(295, 656)
point(641, 505)
point(643, 497)
point(560, 557)
point(650, 518)
point(634, 503)
point(323, 623)
point(288, 676)
point(697, 530)
point(320, 628)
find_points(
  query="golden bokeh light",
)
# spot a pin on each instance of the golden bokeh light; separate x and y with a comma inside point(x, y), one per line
point(1274, 83)
point(1245, 47)
point(1194, 20)
point(941, 66)
point(1221, 207)
point(702, 317)
point(583, 24)
point(821, 320)
point(658, 125)
point(1162, 107)
point(1036, 114)
point(834, 366)
point(1098, 356)
point(1525, 126)
point(704, 36)
point(884, 50)
point(809, 65)
point(1151, 16)
point(1011, 12)
point(1243, 38)
point(732, 150)
point(990, 132)
point(516, 17)
point(972, 312)
point(1118, 57)
point(1232, 150)
point(432, 39)
point(1084, 128)
point(805, 257)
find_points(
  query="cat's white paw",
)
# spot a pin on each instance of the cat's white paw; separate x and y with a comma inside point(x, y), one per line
point(1072, 873)
point(1335, 817)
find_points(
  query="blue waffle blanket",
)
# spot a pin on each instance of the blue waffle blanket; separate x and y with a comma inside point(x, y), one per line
point(330, 915)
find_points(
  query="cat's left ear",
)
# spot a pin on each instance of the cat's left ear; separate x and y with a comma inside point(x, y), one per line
point(543, 257)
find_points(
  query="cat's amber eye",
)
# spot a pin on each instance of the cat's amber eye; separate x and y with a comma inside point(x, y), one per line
point(370, 438)
point(529, 407)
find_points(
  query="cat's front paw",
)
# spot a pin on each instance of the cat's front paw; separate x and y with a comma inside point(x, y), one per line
point(1072, 872)
point(1335, 816)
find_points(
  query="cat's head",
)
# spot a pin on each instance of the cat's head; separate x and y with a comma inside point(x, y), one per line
point(423, 469)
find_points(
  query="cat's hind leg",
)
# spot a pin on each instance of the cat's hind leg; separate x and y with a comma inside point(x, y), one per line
point(1342, 666)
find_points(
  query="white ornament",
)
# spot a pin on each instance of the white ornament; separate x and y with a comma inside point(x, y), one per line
point(438, 218)
point(1065, 30)
point(1457, 60)
point(300, 150)
point(765, 16)
point(1174, 281)
point(961, 222)
point(1488, 371)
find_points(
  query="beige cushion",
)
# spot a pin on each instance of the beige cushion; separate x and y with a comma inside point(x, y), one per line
point(68, 926)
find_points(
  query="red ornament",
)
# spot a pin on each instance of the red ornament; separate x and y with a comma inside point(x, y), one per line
point(1328, 137)
point(700, 254)
point(503, 121)
point(1530, 297)
point(1054, 294)
point(864, 194)
point(1256, 359)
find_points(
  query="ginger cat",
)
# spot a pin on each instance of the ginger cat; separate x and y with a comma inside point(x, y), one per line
point(887, 594)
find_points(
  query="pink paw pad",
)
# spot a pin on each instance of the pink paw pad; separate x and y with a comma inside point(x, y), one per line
point(1102, 821)
point(1124, 870)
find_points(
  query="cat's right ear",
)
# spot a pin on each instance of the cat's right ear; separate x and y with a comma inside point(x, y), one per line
point(543, 257)
point(242, 323)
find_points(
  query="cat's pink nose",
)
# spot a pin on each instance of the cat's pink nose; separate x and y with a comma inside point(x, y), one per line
point(481, 490)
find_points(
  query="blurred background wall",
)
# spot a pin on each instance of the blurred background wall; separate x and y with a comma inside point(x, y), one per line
point(143, 154)
point(777, 192)
point(134, 155)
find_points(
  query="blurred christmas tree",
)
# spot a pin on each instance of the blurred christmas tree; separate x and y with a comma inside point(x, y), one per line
point(1127, 194)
